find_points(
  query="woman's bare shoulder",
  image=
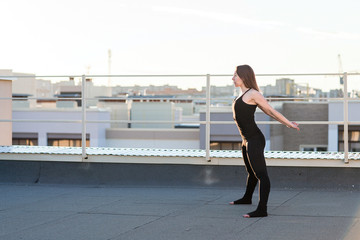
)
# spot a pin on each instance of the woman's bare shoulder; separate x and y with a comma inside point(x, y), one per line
point(258, 98)
point(255, 93)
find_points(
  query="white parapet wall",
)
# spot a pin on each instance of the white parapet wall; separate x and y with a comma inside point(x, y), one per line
point(175, 156)
point(5, 112)
point(153, 138)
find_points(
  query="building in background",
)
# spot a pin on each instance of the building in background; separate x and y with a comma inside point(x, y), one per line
point(47, 133)
point(6, 111)
point(336, 132)
point(312, 136)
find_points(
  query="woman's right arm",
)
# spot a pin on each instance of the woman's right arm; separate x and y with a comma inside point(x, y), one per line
point(269, 110)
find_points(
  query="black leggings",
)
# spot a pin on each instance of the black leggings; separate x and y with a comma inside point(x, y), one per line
point(253, 154)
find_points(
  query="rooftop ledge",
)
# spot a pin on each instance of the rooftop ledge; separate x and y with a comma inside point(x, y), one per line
point(174, 156)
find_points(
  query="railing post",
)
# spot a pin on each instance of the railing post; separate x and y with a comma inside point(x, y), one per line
point(207, 127)
point(83, 117)
point(346, 119)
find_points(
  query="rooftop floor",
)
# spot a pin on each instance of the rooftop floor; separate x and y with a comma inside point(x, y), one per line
point(58, 212)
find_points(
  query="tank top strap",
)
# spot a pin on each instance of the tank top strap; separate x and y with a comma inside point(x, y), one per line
point(245, 92)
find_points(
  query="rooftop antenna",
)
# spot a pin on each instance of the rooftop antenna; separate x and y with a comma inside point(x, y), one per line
point(109, 67)
point(340, 70)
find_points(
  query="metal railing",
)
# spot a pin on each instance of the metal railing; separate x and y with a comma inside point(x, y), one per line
point(207, 121)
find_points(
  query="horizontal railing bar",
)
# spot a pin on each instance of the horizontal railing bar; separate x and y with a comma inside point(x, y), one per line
point(144, 98)
point(103, 98)
point(101, 121)
point(288, 74)
point(102, 75)
point(185, 122)
point(305, 98)
point(34, 98)
point(164, 98)
point(213, 122)
point(275, 122)
point(151, 75)
point(144, 121)
point(215, 98)
point(41, 76)
point(219, 122)
point(176, 75)
point(41, 120)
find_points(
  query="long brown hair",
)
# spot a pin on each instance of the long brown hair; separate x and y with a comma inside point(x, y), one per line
point(246, 73)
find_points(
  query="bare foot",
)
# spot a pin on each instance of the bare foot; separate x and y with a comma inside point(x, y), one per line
point(255, 214)
point(231, 203)
point(241, 201)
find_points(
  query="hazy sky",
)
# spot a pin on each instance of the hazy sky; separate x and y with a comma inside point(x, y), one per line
point(179, 37)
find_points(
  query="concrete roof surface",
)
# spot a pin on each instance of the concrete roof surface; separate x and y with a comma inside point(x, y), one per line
point(118, 213)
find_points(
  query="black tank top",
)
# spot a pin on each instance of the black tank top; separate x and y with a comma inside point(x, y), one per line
point(243, 115)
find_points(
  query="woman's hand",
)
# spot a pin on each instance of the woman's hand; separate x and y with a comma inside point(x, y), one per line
point(294, 125)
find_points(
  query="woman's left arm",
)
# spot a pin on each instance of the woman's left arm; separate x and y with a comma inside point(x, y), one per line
point(269, 110)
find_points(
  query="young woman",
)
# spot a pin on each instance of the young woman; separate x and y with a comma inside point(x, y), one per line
point(253, 140)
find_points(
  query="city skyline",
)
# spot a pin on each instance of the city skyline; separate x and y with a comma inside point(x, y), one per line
point(323, 82)
point(41, 87)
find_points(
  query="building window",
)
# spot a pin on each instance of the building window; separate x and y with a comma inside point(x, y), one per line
point(28, 139)
point(25, 141)
point(313, 148)
point(353, 139)
point(66, 140)
point(225, 145)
